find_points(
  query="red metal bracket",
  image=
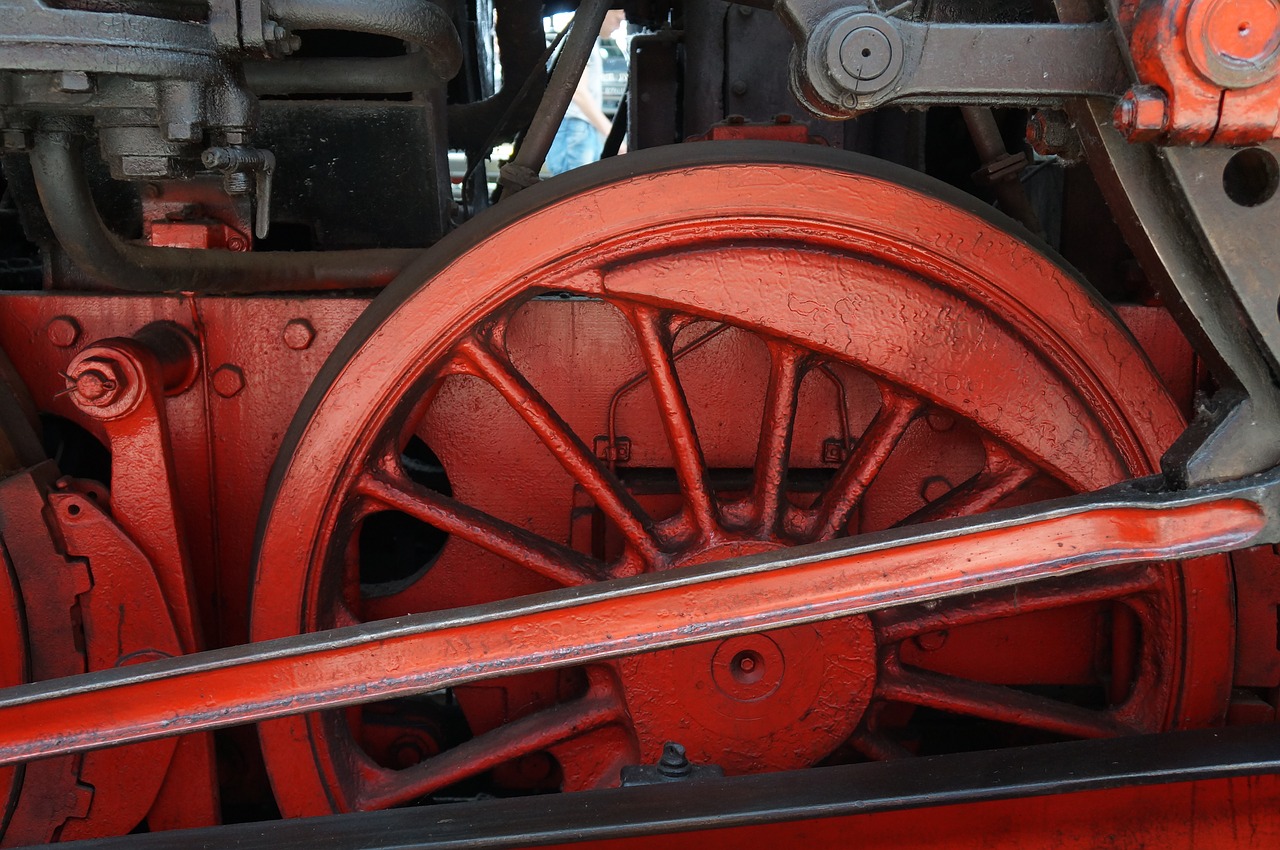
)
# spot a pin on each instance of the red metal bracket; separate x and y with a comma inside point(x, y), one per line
point(121, 383)
point(1207, 71)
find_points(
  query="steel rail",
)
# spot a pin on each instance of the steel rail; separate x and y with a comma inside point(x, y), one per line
point(1130, 523)
point(743, 801)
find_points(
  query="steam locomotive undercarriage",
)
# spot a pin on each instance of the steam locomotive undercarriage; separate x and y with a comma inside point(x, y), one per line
point(783, 470)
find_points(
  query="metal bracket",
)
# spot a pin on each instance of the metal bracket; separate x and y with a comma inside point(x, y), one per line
point(238, 164)
point(854, 59)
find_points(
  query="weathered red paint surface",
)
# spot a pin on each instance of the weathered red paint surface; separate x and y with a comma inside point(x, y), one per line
point(1207, 71)
point(910, 363)
point(784, 355)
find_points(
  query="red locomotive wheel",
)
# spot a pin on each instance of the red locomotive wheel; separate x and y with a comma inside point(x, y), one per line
point(686, 355)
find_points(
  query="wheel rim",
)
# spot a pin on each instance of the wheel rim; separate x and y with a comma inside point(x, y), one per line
point(13, 671)
point(832, 265)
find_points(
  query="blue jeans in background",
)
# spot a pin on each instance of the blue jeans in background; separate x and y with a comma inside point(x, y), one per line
point(576, 143)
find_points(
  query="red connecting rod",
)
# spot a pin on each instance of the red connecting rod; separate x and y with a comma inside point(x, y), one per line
point(572, 626)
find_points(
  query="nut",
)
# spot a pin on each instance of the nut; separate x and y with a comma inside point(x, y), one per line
point(15, 139)
point(63, 331)
point(228, 380)
point(95, 382)
point(1050, 133)
point(1142, 115)
point(299, 334)
point(95, 387)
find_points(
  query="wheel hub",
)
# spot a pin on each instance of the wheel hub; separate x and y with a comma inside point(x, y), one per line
point(775, 700)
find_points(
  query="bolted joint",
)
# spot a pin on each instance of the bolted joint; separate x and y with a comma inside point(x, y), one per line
point(228, 380)
point(1050, 133)
point(849, 60)
point(674, 763)
point(15, 139)
point(299, 334)
point(101, 385)
point(63, 331)
point(1234, 43)
point(95, 387)
point(1142, 115)
point(280, 41)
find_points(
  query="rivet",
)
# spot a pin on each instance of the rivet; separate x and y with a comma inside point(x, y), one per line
point(931, 641)
point(934, 487)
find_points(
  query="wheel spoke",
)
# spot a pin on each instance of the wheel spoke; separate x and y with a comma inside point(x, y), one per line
point(691, 468)
point(864, 463)
point(542, 556)
point(995, 702)
point(1002, 474)
point(898, 624)
point(776, 428)
point(520, 737)
point(601, 485)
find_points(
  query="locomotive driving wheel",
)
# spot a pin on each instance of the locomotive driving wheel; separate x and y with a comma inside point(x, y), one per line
point(681, 356)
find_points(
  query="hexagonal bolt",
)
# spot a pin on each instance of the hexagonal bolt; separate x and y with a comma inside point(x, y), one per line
point(228, 380)
point(1050, 133)
point(299, 334)
point(279, 39)
point(1142, 115)
point(63, 331)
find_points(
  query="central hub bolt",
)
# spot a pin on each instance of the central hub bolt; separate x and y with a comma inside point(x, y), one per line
point(866, 53)
point(95, 383)
point(749, 667)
